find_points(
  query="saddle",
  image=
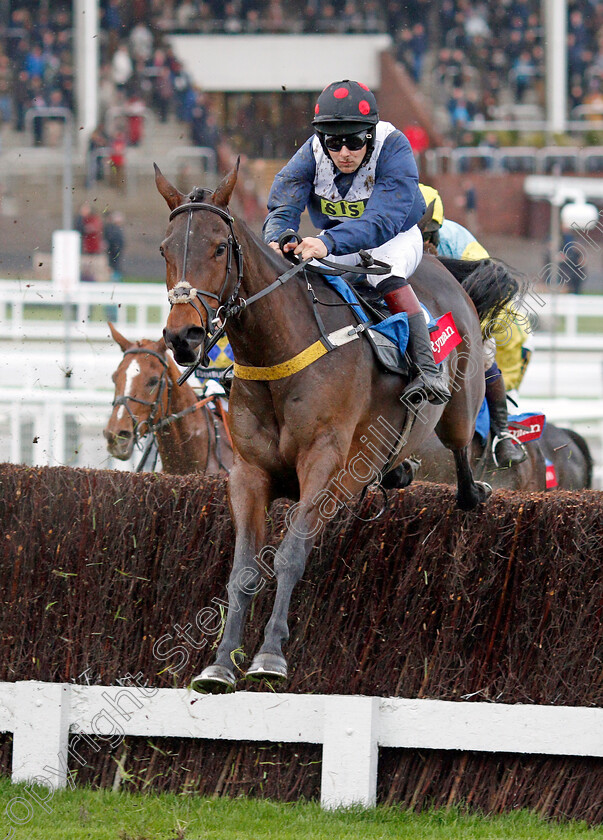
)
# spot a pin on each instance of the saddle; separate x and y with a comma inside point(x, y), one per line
point(387, 334)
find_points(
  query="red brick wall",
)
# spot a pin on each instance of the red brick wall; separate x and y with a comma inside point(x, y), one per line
point(502, 206)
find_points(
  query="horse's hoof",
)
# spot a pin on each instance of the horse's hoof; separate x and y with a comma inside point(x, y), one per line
point(269, 666)
point(482, 493)
point(215, 679)
point(485, 491)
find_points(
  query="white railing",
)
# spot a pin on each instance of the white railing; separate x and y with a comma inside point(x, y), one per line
point(46, 427)
point(34, 310)
point(55, 373)
point(351, 729)
point(26, 313)
point(525, 159)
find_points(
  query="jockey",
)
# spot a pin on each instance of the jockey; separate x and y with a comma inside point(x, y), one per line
point(359, 181)
point(506, 349)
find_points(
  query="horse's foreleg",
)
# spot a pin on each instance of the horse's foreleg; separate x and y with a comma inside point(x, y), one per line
point(249, 497)
point(304, 526)
point(470, 493)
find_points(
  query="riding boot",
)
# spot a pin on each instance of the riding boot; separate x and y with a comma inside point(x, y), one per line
point(505, 451)
point(429, 383)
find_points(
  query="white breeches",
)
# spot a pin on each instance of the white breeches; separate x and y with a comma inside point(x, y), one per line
point(404, 253)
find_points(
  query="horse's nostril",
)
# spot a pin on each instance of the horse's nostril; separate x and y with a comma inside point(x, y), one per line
point(195, 335)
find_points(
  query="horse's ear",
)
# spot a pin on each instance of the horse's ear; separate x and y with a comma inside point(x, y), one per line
point(160, 346)
point(427, 216)
point(223, 191)
point(173, 197)
point(119, 338)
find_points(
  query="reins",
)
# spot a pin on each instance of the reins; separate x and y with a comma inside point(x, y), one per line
point(184, 293)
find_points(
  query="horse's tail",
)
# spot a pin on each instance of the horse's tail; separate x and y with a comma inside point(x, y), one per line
point(583, 447)
point(490, 284)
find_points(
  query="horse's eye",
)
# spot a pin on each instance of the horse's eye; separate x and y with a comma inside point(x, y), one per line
point(221, 249)
point(153, 382)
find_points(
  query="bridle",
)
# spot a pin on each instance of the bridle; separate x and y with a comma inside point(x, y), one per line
point(154, 426)
point(183, 292)
point(124, 400)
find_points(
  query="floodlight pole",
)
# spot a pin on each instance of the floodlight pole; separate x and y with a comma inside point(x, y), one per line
point(555, 17)
point(87, 35)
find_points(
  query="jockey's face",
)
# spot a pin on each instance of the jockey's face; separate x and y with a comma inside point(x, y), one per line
point(347, 161)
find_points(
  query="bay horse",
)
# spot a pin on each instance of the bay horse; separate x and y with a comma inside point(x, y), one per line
point(569, 453)
point(437, 465)
point(148, 400)
point(313, 418)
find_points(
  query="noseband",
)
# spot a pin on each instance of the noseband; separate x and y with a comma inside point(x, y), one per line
point(183, 292)
point(156, 404)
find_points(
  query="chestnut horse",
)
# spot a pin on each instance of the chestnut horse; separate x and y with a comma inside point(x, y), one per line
point(313, 417)
point(148, 400)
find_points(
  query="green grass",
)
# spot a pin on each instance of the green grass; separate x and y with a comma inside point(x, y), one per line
point(83, 814)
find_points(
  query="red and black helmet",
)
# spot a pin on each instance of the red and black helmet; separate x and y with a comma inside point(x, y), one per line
point(344, 108)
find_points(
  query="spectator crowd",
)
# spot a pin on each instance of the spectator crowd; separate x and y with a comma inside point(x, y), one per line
point(476, 57)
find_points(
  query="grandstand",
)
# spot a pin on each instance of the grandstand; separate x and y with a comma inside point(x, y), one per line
point(192, 83)
point(467, 80)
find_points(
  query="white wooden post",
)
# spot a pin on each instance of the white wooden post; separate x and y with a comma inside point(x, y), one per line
point(41, 733)
point(350, 751)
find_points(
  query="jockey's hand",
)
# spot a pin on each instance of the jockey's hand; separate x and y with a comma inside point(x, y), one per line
point(309, 248)
point(274, 246)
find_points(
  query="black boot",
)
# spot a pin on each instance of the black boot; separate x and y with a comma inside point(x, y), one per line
point(429, 384)
point(505, 451)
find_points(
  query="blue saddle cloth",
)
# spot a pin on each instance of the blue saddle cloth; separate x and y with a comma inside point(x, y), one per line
point(394, 328)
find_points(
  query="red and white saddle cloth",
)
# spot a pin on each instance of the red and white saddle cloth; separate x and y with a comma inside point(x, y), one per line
point(445, 338)
point(526, 426)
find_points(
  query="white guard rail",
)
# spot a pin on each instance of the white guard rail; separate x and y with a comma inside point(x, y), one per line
point(57, 428)
point(56, 372)
point(35, 310)
point(351, 729)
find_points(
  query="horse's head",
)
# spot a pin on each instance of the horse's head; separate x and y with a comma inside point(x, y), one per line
point(141, 393)
point(203, 264)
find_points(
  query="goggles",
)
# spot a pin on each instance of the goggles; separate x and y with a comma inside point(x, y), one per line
point(353, 142)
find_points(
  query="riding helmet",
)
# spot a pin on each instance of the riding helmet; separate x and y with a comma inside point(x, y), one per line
point(345, 107)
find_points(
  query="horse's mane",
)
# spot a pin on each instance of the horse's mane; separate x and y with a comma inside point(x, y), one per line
point(490, 283)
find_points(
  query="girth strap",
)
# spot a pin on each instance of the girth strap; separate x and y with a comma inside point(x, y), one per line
point(301, 360)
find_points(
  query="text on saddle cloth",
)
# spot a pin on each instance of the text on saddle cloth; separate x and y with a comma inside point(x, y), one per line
point(522, 427)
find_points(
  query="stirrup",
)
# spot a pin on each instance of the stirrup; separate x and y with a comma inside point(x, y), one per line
point(520, 447)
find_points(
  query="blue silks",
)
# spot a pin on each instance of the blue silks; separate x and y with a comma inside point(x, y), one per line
point(395, 328)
